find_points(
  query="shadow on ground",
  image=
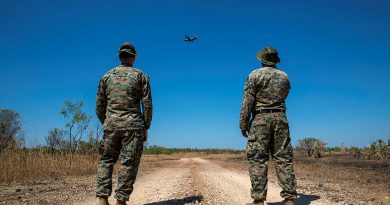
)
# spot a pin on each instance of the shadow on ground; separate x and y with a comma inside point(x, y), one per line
point(301, 200)
point(186, 200)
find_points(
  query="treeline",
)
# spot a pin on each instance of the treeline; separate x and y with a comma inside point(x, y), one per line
point(156, 150)
point(314, 147)
point(78, 136)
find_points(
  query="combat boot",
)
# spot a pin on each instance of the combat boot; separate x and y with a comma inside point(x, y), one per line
point(256, 202)
point(289, 201)
point(119, 202)
point(103, 201)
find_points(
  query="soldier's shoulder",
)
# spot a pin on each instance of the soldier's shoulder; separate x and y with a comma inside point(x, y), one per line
point(257, 72)
point(282, 72)
point(140, 72)
point(112, 71)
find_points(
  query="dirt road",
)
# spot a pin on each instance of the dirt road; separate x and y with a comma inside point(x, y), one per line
point(199, 181)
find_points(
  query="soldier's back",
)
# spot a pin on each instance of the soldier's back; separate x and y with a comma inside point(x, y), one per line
point(124, 86)
point(272, 87)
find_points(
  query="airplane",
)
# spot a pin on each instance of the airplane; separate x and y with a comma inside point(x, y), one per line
point(190, 39)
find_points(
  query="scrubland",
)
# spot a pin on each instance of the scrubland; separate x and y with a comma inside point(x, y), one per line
point(36, 177)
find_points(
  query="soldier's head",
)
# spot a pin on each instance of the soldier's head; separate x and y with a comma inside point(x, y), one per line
point(127, 54)
point(268, 56)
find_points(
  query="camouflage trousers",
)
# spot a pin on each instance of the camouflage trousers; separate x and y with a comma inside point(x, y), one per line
point(128, 145)
point(269, 134)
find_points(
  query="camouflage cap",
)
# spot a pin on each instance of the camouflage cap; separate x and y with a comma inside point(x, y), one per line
point(268, 56)
point(127, 48)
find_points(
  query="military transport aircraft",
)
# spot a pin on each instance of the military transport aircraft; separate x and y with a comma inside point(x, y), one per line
point(190, 39)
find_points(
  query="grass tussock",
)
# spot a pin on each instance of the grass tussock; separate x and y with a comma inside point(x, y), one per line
point(29, 165)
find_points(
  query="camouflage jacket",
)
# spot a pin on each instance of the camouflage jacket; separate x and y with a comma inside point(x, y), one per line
point(265, 88)
point(120, 94)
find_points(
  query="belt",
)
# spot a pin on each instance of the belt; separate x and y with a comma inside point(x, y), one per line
point(269, 111)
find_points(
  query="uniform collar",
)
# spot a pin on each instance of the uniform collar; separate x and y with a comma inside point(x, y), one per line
point(126, 65)
point(270, 68)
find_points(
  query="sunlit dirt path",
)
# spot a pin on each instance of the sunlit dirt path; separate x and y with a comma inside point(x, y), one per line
point(200, 181)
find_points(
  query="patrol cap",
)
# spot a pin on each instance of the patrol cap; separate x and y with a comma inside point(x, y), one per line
point(268, 56)
point(127, 48)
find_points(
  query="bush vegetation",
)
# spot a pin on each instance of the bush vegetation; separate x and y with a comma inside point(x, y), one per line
point(156, 150)
point(74, 151)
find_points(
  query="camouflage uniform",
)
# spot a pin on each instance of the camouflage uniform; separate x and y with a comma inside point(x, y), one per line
point(264, 99)
point(118, 106)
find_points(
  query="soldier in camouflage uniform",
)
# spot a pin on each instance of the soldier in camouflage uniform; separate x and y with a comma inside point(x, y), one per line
point(120, 94)
point(263, 121)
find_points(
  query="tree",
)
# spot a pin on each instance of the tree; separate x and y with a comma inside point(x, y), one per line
point(11, 133)
point(378, 150)
point(78, 122)
point(312, 146)
point(54, 138)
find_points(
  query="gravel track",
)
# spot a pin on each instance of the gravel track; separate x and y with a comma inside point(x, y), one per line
point(199, 181)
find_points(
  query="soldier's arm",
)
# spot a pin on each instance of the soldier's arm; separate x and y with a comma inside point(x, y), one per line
point(288, 88)
point(101, 101)
point(147, 106)
point(247, 103)
point(289, 84)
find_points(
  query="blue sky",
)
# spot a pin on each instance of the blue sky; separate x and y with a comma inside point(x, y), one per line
point(335, 52)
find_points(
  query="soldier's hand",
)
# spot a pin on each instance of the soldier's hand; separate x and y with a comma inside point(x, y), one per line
point(146, 135)
point(244, 133)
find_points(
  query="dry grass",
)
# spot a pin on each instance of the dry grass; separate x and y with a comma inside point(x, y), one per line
point(338, 177)
point(360, 181)
point(32, 165)
point(27, 165)
point(62, 187)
